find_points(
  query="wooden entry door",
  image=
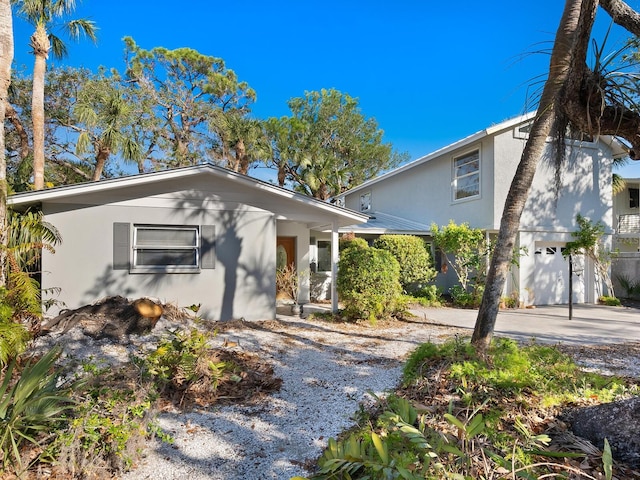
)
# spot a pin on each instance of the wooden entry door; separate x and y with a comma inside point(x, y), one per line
point(285, 255)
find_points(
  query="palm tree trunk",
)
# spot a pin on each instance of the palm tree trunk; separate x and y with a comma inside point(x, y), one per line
point(6, 57)
point(101, 160)
point(40, 44)
point(575, 13)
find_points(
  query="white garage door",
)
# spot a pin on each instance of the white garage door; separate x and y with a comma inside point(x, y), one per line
point(552, 275)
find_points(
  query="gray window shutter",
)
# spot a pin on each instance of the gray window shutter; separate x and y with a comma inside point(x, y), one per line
point(121, 248)
point(207, 246)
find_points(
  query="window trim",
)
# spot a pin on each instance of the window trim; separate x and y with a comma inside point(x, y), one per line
point(454, 178)
point(135, 268)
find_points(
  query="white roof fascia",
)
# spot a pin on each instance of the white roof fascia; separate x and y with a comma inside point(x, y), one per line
point(148, 178)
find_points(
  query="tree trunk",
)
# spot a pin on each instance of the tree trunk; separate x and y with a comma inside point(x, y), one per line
point(101, 160)
point(40, 44)
point(12, 116)
point(6, 57)
point(575, 12)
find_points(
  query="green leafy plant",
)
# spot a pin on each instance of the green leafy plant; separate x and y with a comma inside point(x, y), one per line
point(464, 250)
point(175, 360)
point(609, 301)
point(589, 241)
point(30, 406)
point(631, 287)
point(111, 421)
point(416, 266)
point(368, 283)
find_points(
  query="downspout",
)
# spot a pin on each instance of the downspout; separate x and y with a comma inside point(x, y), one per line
point(335, 255)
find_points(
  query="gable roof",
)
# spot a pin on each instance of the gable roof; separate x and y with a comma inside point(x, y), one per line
point(618, 148)
point(230, 187)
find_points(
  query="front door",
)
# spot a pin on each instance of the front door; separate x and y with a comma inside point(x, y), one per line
point(285, 255)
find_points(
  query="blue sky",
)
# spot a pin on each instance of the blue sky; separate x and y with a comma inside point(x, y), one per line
point(429, 72)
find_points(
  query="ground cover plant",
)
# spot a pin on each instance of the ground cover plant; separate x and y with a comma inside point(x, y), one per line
point(459, 416)
point(88, 419)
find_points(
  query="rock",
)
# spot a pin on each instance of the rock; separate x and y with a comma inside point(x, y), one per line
point(615, 421)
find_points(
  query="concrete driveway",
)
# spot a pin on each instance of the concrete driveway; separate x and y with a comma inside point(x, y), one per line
point(591, 324)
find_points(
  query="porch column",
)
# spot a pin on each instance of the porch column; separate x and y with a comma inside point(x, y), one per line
point(335, 245)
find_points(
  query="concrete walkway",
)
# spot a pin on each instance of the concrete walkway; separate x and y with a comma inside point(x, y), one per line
point(591, 324)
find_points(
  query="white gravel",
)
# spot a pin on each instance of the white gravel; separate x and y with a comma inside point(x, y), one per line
point(327, 372)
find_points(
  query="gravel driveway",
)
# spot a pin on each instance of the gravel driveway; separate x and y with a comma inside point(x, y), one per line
point(328, 370)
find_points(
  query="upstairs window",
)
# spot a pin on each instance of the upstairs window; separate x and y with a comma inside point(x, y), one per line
point(365, 202)
point(634, 197)
point(466, 175)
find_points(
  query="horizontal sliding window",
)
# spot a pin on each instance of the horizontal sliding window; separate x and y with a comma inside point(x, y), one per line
point(165, 247)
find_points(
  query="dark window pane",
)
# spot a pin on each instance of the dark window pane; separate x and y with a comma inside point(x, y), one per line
point(163, 258)
point(166, 237)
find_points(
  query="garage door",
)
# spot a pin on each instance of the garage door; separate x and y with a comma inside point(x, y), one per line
point(552, 275)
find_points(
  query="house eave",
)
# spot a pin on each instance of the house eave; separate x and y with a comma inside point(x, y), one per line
point(66, 192)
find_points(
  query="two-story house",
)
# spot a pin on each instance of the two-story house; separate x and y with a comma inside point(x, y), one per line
point(468, 181)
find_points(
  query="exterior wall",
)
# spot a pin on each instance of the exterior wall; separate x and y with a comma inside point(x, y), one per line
point(242, 284)
point(424, 193)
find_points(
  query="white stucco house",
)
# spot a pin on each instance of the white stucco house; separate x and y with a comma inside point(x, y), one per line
point(468, 181)
point(195, 235)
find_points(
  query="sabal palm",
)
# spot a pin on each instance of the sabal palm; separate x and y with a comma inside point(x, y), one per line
point(42, 14)
point(242, 139)
point(106, 115)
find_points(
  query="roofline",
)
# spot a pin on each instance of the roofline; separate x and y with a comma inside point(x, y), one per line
point(382, 231)
point(510, 123)
point(66, 191)
point(446, 149)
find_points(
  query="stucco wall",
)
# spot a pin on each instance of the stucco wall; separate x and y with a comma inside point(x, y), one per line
point(242, 284)
point(424, 194)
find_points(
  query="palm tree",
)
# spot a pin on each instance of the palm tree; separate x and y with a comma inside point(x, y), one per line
point(589, 100)
point(577, 18)
point(41, 14)
point(106, 115)
point(242, 139)
point(6, 57)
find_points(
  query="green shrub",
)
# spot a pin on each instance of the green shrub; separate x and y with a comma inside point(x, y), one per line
point(631, 287)
point(13, 335)
point(462, 298)
point(410, 251)
point(368, 283)
point(13, 340)
point(610, 301)
point(351, 241)
point(29, 406)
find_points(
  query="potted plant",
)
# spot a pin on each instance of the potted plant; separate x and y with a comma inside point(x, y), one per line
point(288, 281)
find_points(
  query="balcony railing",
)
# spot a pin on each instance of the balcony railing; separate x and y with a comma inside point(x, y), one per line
point(629, 223)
